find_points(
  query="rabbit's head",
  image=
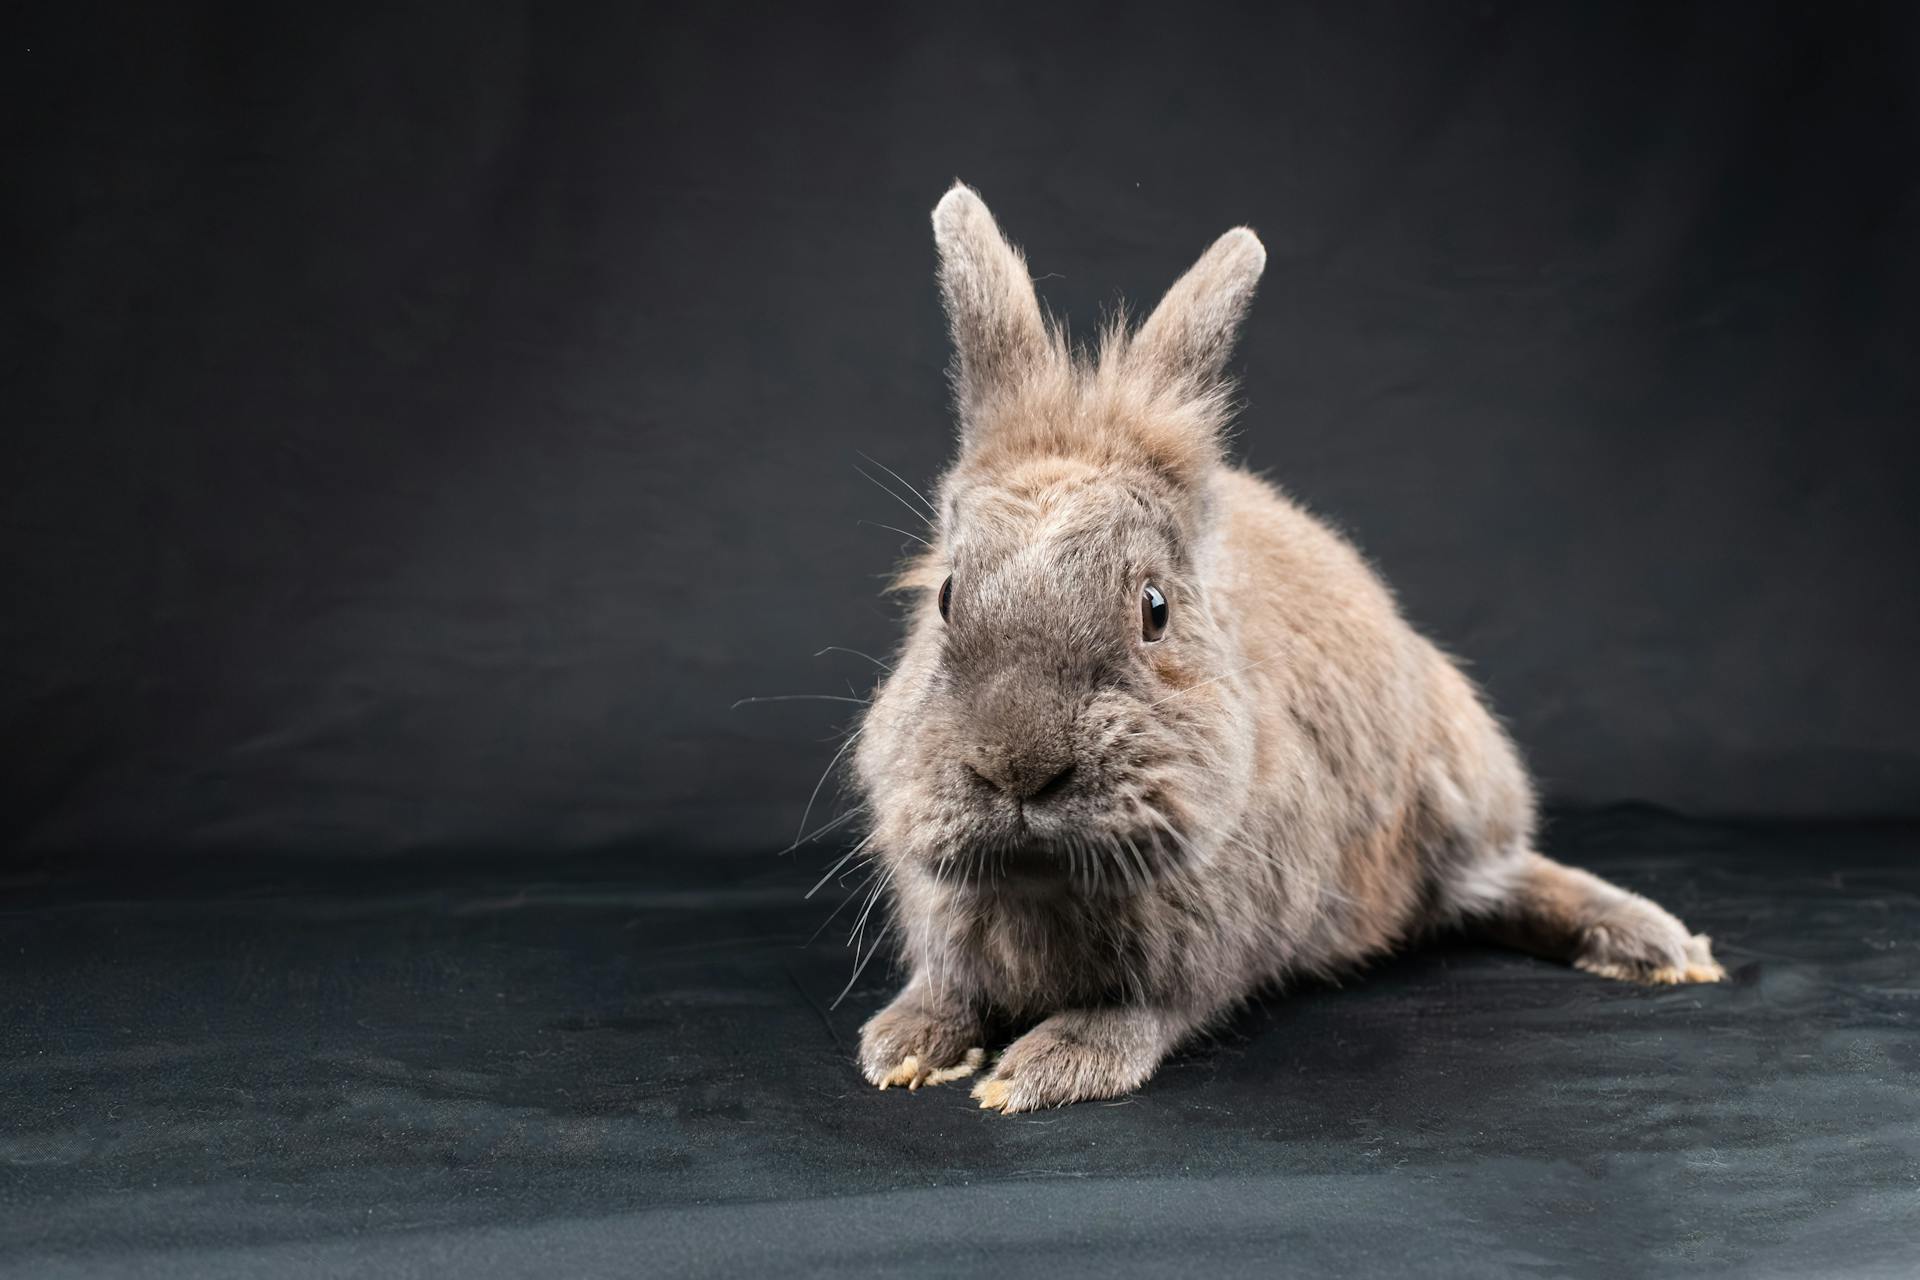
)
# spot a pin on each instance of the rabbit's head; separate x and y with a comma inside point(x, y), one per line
point(1061, 712)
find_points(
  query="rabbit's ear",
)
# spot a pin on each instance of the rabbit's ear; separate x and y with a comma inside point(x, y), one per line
point(991, 308)
point(1191, 333)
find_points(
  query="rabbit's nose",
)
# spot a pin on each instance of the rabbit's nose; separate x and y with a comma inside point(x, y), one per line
point(1022, 774)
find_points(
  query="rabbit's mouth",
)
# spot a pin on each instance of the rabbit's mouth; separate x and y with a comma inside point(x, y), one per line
point(1034, 860)
point(1081, 866)
point(1021, 865)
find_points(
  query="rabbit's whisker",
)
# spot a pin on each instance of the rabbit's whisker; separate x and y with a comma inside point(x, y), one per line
point(797, 697)
point(824, 775)
point(840, 648)
point(831, 915)
point(821, 830)
point(860, 925)
point(860, 966)
point(903, 480)
point(1146, 876)
point(1214, 680)
point(845, 858)
point(893, 529)
point(917, 515)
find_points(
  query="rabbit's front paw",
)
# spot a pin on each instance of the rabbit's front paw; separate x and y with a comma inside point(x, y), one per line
point(1075, 1057)
point(909, 1044)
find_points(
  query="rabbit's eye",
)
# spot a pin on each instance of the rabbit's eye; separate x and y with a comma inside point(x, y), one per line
point(946, 597)
point(1153, 613)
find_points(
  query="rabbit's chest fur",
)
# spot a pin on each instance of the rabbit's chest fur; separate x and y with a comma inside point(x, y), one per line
point(1033, 951)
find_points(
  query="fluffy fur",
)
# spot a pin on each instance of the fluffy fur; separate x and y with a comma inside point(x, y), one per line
point(1112, 841)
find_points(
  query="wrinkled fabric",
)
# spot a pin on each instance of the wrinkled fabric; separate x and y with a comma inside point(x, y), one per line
point(510, 1066)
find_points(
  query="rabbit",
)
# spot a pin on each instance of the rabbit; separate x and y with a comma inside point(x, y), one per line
point(1157, 739)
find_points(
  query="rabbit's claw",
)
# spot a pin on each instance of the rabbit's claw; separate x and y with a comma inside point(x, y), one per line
point(911, 1072)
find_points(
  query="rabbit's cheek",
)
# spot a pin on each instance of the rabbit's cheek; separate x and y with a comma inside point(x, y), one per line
point(1174, 673)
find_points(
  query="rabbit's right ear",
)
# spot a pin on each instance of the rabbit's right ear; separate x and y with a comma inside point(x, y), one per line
point(992, 312)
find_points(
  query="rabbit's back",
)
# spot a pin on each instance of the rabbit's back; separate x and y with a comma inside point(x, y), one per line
point(1379, 772)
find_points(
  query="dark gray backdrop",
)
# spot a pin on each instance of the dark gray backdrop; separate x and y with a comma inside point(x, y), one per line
point(421, 425)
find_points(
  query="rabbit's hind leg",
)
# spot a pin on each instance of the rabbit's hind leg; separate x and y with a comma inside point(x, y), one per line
point(1535, 904)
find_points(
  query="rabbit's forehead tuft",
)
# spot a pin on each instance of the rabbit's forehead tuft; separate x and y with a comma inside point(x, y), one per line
point(1060, 512)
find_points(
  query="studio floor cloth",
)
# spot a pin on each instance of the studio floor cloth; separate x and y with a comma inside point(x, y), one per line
point(512, 1066)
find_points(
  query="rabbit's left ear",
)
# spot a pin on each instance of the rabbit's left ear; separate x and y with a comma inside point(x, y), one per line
point(1190, 334)
point(998, 334)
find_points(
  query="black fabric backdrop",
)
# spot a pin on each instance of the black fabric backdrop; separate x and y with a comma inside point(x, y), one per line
point(422, 425)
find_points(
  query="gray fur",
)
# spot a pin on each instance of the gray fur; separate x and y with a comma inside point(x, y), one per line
point(1118, 841)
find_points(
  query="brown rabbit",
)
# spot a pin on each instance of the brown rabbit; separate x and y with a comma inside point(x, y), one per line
point(1158, 738)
